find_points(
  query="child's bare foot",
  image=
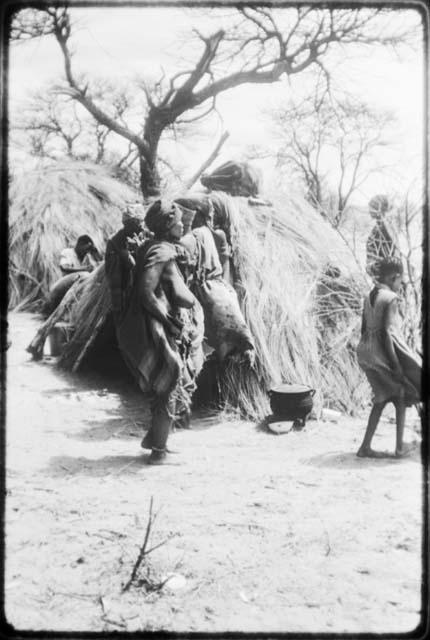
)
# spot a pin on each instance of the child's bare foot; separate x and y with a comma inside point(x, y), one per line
point(370, 453)
point(405, 450)
point(36, 352)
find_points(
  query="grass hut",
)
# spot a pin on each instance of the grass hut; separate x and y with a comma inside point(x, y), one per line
point(300, 289)
point(303, 316)
point(50, 206)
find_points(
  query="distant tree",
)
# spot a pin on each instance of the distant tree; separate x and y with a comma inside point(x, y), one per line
point(258, 45)
point(330, 143)
point(408, 218)
point(29, 24)
point(57, 125)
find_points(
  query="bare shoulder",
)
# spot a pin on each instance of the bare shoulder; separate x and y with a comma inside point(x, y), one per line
point(386, 296)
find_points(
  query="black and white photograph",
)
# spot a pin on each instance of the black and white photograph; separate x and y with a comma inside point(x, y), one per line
point(214, 220)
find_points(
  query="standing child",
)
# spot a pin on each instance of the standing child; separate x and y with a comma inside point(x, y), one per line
point(392, 369)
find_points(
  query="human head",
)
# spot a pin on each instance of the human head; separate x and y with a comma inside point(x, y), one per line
point(188, 214)
point(132, 218)
point(84, 245)
point(203, 208)
point(164, 219)
point(378, 206)
point(390, 273)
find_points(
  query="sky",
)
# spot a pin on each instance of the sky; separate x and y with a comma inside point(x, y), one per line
point(123, 43)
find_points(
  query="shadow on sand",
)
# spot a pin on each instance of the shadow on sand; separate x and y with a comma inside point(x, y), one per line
point(119, 427)
point(349, 460)
point(106, 466)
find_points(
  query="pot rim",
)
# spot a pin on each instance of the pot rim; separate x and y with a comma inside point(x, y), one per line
point(290, 389)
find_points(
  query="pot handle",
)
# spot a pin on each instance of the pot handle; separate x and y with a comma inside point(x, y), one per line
point(312, 392)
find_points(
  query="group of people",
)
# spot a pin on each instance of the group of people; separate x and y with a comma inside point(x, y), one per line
point(156, 267)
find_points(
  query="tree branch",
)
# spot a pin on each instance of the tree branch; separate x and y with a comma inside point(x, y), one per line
point(208, 161)
point(61, 31)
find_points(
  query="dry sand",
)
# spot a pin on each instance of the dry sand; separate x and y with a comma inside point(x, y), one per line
point(266, 533)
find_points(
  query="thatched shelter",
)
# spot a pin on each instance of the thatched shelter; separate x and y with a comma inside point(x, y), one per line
point(299, 287)
point(50, 206)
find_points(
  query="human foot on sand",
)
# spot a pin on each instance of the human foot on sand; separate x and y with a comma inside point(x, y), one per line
point(158, 456)
point(147, 444)
point(370, 453)
point(36, 352)
point(405, 450)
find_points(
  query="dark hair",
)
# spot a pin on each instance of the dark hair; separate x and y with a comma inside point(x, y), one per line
point(384, 268)
point(84, 240)
point(389, 266)
point(160, 216)
point(379, 203)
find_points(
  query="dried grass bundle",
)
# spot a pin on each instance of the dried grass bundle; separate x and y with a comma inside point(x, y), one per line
point(87, 317)
point(50, 207)
point(281, 255)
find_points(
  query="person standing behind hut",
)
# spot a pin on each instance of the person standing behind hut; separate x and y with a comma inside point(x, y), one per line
point(381, 242)
point(217, 262)
point(392, 369)
point(160, 335)
point(120, 258)
point(225, 328)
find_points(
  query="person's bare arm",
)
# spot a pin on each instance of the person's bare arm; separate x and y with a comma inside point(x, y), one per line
point(149, 282)
point(180, 295)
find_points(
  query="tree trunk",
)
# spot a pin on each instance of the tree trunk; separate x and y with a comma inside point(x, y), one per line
point(148, 159)
point(149, 178)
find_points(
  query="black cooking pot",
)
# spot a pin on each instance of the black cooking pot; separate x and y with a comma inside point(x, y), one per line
point(291, 401)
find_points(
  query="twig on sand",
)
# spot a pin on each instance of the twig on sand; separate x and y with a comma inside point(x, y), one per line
point(102, 604)
point(80, 596)
point(328, 547)
point(105, 614)
point(144, 551)
point(123, 468)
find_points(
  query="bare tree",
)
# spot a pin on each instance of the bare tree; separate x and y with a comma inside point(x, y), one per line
point(56, 124)
point(51, 123)
point(259, 46)
point(326, 136)
point(408, 221)
point(30, 24)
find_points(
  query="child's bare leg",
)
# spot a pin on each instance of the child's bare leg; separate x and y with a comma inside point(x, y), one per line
point(365, 450)
point(400, 424)
point(401, 448)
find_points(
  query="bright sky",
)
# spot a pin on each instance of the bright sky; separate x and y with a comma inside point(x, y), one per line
point(121, 43)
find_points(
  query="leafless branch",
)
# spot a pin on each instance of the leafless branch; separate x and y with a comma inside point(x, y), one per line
point(208, 161)
point(143, 550)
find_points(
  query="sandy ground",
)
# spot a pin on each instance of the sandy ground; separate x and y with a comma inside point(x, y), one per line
point(264, 533)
